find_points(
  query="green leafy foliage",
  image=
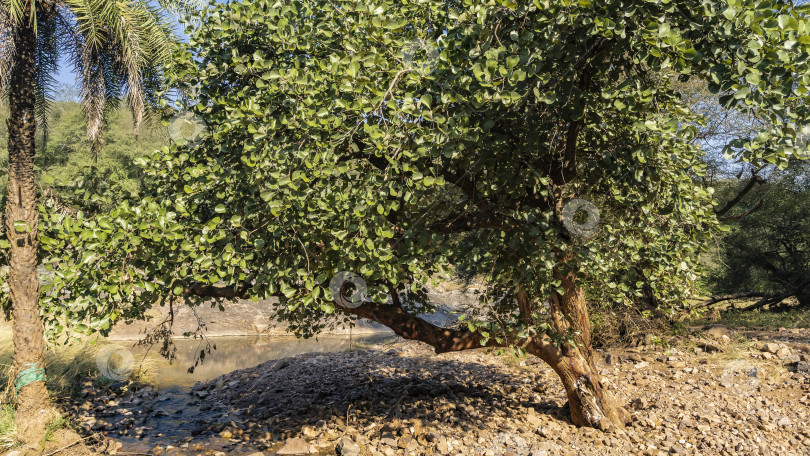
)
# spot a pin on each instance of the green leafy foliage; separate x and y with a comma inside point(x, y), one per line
point(332, 146)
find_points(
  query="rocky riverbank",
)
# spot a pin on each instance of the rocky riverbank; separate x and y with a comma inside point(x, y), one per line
point(714, 393)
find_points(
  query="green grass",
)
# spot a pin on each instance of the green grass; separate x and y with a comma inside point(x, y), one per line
point(7, 427)
point(59, 423)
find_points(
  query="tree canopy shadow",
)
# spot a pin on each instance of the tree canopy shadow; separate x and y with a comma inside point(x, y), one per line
point(386, 388)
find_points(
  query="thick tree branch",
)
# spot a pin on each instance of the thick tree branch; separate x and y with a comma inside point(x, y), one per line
point(460, 223)
point(730, 297)
point(564, 170)
point(444, 340)
point(410, 326)
point(214, 291)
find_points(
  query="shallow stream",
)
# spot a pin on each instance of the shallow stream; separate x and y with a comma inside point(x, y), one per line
point(176, 414)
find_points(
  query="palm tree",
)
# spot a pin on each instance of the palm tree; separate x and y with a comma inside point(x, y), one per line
point(118, 49)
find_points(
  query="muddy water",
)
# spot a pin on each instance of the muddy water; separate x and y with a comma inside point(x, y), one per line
point(174, 415)
point(231, 353)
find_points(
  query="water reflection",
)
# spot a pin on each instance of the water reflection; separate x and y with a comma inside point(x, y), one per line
point(238, 353)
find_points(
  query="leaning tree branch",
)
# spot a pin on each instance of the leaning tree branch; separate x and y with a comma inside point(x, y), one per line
point(743, 215)
point(730, 297)
point(214, 291)
point(755, 179)
point(444, 340)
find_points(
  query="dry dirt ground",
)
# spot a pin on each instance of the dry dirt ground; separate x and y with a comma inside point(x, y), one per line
point(717, 392)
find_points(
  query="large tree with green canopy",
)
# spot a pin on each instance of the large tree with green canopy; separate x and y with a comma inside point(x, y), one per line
point(399, 139)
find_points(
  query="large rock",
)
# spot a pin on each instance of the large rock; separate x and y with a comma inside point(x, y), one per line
point(294, 446)
point(347, 447)
point(770, 348)
point(709, 346)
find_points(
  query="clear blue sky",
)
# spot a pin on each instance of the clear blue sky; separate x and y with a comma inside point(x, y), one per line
point(66, 75)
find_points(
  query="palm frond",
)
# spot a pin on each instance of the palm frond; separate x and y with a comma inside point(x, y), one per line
point(17, 10)
point(93, 89)
point(136, 35)
point(47, 61)
point(183, 10)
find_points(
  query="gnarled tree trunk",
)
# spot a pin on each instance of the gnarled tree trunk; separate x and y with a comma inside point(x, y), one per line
point(591, 404)
point(33, 405)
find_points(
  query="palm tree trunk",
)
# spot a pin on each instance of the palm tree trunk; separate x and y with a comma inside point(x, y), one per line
point(33, 405)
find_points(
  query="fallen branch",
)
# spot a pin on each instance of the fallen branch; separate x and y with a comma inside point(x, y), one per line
point(731, 297)
point(778, 297)
point(765, 297)
point(66, 447)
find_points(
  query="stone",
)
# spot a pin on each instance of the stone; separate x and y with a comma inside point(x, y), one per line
point(783, 353)
point(404, 442)
point(534, 420)
point(716, 330)
point(390, 441)
point(677, 364)
point(347, 447)
point(756, 372)
point(709, 346)
point(792, 358)
point(770, 348)
point(226, 434)
point(639, 403)
point(294, 446)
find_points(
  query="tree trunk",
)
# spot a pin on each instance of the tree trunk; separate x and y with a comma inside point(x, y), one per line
point(591, 404)
point(33, 405)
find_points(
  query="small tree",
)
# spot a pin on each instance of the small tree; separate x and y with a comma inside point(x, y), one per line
point(540, 146)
